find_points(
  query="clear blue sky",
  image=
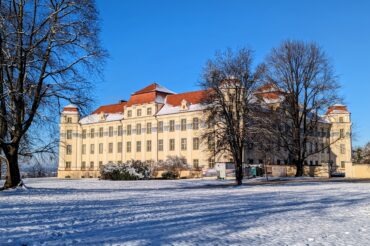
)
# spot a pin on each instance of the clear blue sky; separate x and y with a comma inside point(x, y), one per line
point(168, 42)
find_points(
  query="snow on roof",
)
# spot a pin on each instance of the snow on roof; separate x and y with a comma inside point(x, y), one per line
point(96, 118)
point(168, 109)
point(111, 108)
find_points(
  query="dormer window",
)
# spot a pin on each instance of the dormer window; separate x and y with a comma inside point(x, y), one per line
point(102, 116)
point(184, 105)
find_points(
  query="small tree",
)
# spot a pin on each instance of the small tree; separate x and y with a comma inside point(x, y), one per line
point(229, 104)
point(303, 72)
point(47, 50)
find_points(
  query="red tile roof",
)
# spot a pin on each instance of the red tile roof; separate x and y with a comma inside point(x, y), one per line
point(153, 87)
point(193, 97)
point(147, 97)
point(111, 108)
point(70, 109)
point(338, 107)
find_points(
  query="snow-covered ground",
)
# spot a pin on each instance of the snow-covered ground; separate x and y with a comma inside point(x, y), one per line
point(185, 212)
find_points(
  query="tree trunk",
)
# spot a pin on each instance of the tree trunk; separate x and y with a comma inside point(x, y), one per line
point(13, 177)
point(299, 166)
point(239, 172)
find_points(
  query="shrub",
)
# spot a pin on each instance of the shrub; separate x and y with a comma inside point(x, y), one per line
point(119, 172)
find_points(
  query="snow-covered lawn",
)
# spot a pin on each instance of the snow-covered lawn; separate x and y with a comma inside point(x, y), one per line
point(185, 212)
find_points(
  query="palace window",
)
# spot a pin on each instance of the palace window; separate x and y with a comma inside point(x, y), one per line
point(83, 134)
point(172, 125)
point(119, 147)
point(83, 149)
point(69, 149)
point(119, 131)
point(341, 134)
point(138, 129)
point(100, 164)
point(183, 143)
point(69, 120)
point(128, 129)
point(172, 144)
point(129, 113)
point(342, 149)
point(196, 163)
point(148, 111)
point(101, 132)
point(148, 127)
point(128, 147)
point(160, 126)
point(138, 146)
point(69, 134)
point(110, 131)
point(68, 164)
point(149, 145)
point(92, 133)
point(195, 143)
point(183, 124)
point(138, 112)
point(83, 165)
point(341, 120)
point(91, 164)
point(160, 145)
point(100, 148)
point(195, 123)
point(92, 148)
point(110, 148)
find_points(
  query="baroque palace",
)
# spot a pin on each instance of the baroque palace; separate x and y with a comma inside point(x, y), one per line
point(156, 122)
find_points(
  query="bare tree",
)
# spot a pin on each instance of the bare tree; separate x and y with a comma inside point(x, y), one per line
point(229, 103)
point(47, 49)
point(362, 154)
point(303, 72)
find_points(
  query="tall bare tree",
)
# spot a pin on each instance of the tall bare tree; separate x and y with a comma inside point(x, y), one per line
point(230, 82)
point(303, 72)
point(47, 49)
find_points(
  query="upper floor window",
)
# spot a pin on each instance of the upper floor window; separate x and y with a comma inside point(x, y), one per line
point(341, 133)
point(119, 131)
point(148, 127)
point(92, 133)
point(342, 149)
point(83, 149)
point(100, 148)
point(172, 125)
point(129, 113)
point(119, 147)
point(101, 132)
point(183, 124)
point(110, 147)
point(195, 123)
point(341, 120)
point(160, 126)
point(69, 149)
point(138, 129)
point(128, 129)
point(149, 111)
point(138, 112)
point(83, 134)
point(69, 120)
point(160, 144)
point(110, 131)
point(195, 143)
point(69, 134)
point(92, 148)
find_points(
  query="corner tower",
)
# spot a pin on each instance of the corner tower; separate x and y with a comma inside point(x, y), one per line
point(340, 136)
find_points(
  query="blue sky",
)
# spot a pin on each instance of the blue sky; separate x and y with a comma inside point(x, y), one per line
point(168, 42)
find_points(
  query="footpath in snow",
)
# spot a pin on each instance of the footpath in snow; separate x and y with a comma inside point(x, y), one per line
point(185, 212)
